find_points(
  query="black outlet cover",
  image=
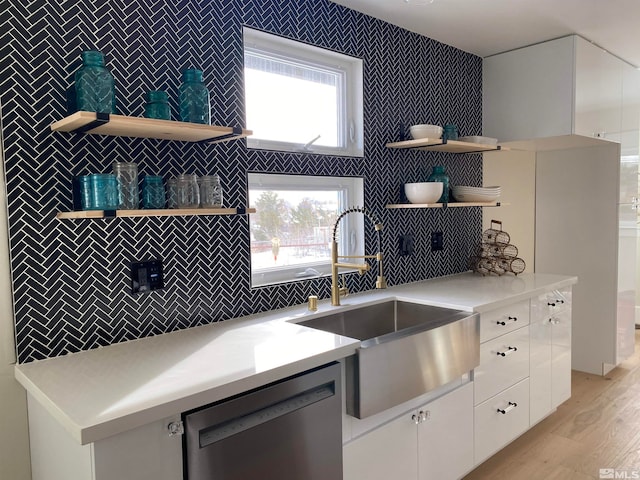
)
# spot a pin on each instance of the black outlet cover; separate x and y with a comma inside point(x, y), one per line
point(406, 245)
point(146, 276)
point(437, 242)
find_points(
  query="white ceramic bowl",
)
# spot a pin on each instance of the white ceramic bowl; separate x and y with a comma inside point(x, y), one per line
point(425, 131)
point(424, 192)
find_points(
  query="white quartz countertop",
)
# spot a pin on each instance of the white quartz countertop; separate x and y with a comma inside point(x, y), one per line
point(99, 393)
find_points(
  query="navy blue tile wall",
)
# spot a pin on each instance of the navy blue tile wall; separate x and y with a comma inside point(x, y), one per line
point(70, 277)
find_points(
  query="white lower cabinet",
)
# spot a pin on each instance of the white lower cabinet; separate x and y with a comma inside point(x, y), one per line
point(550, 352)
point(501, 419)
point(445, 437)
point(433, 442)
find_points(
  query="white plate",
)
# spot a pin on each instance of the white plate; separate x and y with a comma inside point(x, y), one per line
point(471, 197)
point(479, 139)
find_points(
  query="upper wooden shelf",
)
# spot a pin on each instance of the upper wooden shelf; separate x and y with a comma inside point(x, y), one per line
point(447, 205)
point(140, 127)
point(168, 212)
point(440, 145)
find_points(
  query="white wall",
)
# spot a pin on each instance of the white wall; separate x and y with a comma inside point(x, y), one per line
point(14, 438)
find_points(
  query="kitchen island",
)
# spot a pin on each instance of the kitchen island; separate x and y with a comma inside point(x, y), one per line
point(107, 410)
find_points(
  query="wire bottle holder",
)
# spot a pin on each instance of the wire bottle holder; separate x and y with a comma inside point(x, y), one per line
point(495, 255)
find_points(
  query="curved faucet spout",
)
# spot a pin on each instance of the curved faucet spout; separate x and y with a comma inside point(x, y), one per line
point(336, 290)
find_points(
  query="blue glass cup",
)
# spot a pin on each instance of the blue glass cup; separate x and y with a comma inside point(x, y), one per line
point(104, 192)
point(153, 196)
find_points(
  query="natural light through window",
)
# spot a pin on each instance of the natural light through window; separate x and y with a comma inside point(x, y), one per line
point(292, 227)
point(301, 98)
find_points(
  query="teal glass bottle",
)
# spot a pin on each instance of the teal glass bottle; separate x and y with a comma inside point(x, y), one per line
point(438, 175)
point(157, 105)
point(194, 98)
point(95, 90)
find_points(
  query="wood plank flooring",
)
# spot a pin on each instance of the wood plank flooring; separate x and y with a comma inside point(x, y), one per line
point(598, 427)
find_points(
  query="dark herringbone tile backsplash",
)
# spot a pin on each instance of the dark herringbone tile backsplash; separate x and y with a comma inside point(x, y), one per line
point(70, 278)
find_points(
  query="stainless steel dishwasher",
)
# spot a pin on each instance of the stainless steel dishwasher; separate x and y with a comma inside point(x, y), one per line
point(287, 430)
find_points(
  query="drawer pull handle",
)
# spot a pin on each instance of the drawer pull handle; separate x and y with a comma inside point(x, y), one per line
point(509, 320)
point(416, 419)
point(551, 304)
point(511, 406)
point(508, 351)
point(560, 301)
point(554, 321)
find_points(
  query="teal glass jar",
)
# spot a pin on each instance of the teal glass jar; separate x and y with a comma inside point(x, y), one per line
point(153, 196)
point(94, 86)
point(439, 175)
point(450, 132)
point(104, 192)
point(157, 105)
point(195, 104)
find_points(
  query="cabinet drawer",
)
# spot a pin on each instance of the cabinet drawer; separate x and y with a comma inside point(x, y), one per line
point(494, 429)
point(551, 303)
point(503, 362)
point(503, 320)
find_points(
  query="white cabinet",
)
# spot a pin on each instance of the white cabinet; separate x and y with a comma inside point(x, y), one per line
point(501, 381)
point(389, 451)
point(598, 91)
point(434, 442)
point(550, 375)
point(445, 436)
point(560, 87)
point(501, 419)
point(579, 225)
point(146, 452)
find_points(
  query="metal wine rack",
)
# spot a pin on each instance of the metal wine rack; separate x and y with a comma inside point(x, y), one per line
point(496, 255)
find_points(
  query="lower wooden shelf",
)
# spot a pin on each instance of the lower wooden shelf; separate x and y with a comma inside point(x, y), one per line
point(168, 212)
point(446, 205)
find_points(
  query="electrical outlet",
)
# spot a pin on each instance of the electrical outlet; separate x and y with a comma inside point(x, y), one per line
point(436, 241)
point(405, 242)
point(146, 276)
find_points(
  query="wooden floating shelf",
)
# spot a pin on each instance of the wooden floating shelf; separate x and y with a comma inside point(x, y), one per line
point(140, 127)
point(172, 212)
point(447, 205)
point(440, 145)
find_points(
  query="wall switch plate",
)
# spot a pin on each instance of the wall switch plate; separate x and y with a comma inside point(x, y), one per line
point(405, 242)
point(146, 276)
point(436, 241)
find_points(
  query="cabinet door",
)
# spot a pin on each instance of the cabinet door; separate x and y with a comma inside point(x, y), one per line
point(560, 357)
point(493, 428)
point(598, 94)
point(540, 370)
point(445, 437)
point(387, 452)
point(503, 362)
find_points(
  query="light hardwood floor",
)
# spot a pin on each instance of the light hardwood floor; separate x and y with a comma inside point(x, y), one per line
point(598, 427)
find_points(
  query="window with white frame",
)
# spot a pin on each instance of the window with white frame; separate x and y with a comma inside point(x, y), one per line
point(301, 98)
point(292, 228)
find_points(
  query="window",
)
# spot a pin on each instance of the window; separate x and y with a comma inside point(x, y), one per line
point(301, 98)
point(292, 228)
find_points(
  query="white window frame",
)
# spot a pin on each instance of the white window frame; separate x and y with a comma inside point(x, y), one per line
point(351, 129)
point(351, 228)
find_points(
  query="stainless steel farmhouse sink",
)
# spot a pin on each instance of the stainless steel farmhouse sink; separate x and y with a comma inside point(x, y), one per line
point(407, 349)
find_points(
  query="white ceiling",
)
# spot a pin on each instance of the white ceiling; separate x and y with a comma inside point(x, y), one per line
point(487, 27)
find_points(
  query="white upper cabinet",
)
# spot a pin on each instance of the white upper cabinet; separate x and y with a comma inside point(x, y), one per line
point(598, 92)
point(556, 88)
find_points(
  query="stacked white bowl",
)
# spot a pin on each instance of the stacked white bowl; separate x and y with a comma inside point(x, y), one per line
point(475, 194)
point(425, 131)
